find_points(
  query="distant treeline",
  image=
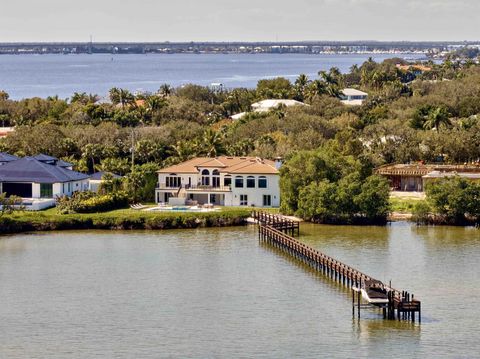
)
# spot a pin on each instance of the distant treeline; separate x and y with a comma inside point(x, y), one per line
point(229, 47)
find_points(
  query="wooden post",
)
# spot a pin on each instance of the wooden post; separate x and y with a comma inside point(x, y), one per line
point(358, 301)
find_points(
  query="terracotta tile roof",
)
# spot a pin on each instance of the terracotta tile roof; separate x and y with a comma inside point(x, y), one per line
point(245, 165)
point(421, 169)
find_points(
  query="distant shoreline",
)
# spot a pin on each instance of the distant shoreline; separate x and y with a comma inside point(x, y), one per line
point(431, 48)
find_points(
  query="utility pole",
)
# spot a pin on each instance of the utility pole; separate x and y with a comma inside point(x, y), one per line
point(133, 148)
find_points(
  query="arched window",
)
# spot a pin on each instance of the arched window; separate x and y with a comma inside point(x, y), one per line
point(262, 182)
point(205, 178)
point(250, 182)
point(215, 178)
point(239, 182)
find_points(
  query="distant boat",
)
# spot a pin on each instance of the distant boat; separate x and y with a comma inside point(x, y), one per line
point(374, 292)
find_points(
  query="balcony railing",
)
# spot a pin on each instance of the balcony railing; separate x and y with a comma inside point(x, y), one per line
point(208, 188)
point(196, 188)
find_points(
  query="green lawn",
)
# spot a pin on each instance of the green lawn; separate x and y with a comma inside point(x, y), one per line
point(403, 205)
point(121, 219)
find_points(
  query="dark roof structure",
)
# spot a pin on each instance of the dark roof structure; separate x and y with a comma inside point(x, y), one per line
point(65, 164)
point(98, 176)
point(5, 157)
point(52, 160)
point(29, 169)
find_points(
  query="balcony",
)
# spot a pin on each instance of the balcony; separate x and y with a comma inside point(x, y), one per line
point(195, 188)
point(201, 188)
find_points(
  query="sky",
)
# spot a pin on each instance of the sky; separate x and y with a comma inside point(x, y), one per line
point(240, 20)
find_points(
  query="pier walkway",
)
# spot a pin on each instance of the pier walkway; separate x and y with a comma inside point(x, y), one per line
point(280, 232)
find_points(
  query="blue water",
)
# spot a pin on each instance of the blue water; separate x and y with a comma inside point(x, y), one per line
point(24, 76)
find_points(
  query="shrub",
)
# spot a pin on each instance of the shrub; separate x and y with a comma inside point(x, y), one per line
point(90, 202)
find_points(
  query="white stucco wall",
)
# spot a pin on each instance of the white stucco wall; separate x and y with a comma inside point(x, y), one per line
point(255, 195)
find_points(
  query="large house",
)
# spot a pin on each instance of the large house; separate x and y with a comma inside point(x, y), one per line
point(224, 181)
point(413, 177)
point(352, 97)
point(40, 179)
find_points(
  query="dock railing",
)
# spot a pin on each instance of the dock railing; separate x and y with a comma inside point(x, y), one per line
point(279, 231)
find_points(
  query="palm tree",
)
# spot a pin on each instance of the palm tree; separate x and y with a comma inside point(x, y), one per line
point(437, 117)
point(121, 96)
point(315, 89)
point(154, 103)
point(301, 84)
point(184, 151)
point(165, 90)
point(212, 143)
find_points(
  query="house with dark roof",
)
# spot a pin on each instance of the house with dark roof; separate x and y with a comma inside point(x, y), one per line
point(224, 181)
point(40, 181)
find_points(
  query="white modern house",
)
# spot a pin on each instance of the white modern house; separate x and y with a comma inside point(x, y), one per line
point(268, 105)
point(39, 182)
point(352, 97)
point(223, 181)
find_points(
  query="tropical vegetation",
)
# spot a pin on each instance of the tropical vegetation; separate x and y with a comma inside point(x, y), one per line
point(410, 115)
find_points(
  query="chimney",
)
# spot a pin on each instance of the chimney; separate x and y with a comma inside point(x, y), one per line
point(278, 162)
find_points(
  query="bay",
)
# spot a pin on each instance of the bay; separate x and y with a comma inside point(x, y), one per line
point(214, 293)
point(25, 76)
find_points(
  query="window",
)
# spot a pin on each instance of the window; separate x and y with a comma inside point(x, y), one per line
point(205, 178)
point(239, 182)
point(173, 181)
point(267, 200)
point(250, 182)
point(227, 181)
point(262, 182)
point(243, 200)
point(215, 178)
point(46, 190)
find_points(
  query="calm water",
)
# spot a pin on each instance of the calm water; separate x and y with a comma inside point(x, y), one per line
point(46, 75)
point(219, 293)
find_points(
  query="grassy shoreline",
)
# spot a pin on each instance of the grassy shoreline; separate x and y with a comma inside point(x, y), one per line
point(123, 219)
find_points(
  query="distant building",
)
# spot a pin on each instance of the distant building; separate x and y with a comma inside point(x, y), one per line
point(223, 181)
point(352, 97)
point(4, 131)
point(268, 105)
point(413, 177)
point(97, 179)
point(416, 69)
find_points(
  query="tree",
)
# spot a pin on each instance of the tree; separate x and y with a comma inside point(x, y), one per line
point(4, 95)
point(455, 198)
point(277, 88)
point(121, 96)
point(437, 117)
point(165, 90)
point(212, 143)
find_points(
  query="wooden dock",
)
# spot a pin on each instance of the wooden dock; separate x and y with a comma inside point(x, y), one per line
point(280, 232)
